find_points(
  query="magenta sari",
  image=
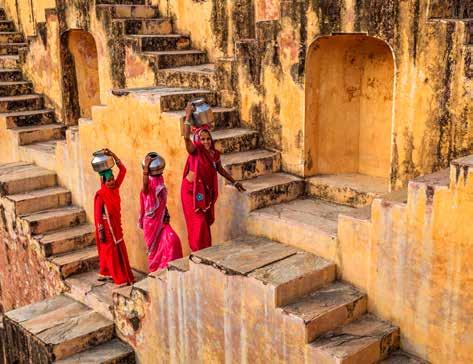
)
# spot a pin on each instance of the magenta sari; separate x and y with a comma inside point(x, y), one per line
point(162, 242)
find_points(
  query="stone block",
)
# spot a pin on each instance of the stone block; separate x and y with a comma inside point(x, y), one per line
point(250, 164)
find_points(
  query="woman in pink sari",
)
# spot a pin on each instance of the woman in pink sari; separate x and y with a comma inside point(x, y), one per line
point(199, 189)
point(163, 243)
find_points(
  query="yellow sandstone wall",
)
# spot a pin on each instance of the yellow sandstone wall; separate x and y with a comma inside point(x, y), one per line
point(414, 261)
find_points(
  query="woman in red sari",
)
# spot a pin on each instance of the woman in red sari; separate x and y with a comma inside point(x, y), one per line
point(199, 189)
point(113, 257)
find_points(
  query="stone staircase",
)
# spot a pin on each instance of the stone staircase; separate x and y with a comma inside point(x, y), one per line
point(326, 319)
point(32, 128)
point(61, 329)
point(288, 297)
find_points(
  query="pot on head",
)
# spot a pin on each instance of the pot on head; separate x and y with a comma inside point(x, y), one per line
point(202, 114)
point(157, 165)
point(101, 162)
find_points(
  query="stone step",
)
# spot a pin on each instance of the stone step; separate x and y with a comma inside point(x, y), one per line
point(43, 154)
point(7, 25)
point(366, 340)
point(294, 277)
point(21, 103)
point(28, 118)
point(3, 14)
point(86, 288)
point(200, 76)
point(349, 189)
point(66, 240)
point(55, 329)
point(12, 48)
point(250, 164)
point(177, 58)
point(242, 256)
point(401, 357)
point(324, 309)
point(77, 261)
point(272, 189)
point(160, 42)
point(171, 99)
point(224, 118)
point(38, 133)
point(152, 26)
point(53, 219)
point(23, 177)
point(235, 140)
point(37, 200)
point(10, 75)
point(9, 61)
point(122, 2)
point(305, 223)
point(111, 352)
point(123, 11)
point(11, 37)
point(15, 88)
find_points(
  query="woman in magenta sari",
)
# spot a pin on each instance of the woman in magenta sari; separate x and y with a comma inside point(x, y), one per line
point(199, 189)
point(163, 243)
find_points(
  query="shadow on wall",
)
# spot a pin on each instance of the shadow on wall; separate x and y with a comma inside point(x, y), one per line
point(349, 105)
point(81, 85)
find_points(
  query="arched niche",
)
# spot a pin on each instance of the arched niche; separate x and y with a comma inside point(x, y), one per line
point(81, 84)
point(349, 106)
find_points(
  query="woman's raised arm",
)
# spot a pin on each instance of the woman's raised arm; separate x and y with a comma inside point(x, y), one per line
point(187, 129)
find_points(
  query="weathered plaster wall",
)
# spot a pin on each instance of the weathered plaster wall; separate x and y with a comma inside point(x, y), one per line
point(23, 264)
point(432, 112)
point(413, 260)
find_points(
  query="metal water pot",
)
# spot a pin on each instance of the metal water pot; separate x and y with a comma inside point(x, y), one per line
point(101, 162)
point(202, 113)
point(157, 165)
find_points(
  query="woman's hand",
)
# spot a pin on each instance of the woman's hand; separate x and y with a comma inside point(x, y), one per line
point(189, 110)
point(167, 217)
point(102, 236)
point(239, 187)
point(108, 152)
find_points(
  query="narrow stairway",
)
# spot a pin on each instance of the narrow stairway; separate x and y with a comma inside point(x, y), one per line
point(36, 207)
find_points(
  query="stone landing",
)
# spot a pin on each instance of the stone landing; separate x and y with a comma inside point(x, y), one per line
point(62, 330)
point(255, 299)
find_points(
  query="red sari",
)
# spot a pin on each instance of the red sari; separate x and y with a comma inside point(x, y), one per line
point(199, 197)
point(113, 256)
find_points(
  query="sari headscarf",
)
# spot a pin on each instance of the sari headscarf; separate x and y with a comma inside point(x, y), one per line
point(203, 164)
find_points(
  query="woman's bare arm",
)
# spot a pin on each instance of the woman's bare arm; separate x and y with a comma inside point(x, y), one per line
point(223, 172)
point(145, 174)
point(190, 147)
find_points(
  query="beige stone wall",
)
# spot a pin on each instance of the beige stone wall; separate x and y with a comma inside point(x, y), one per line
point(413, 260)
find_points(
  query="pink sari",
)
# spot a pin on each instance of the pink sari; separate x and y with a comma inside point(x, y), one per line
point(199, 197)
point(163, 243)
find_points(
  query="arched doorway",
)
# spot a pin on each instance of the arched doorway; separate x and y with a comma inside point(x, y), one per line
point(349, 106)
point(81, 76)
